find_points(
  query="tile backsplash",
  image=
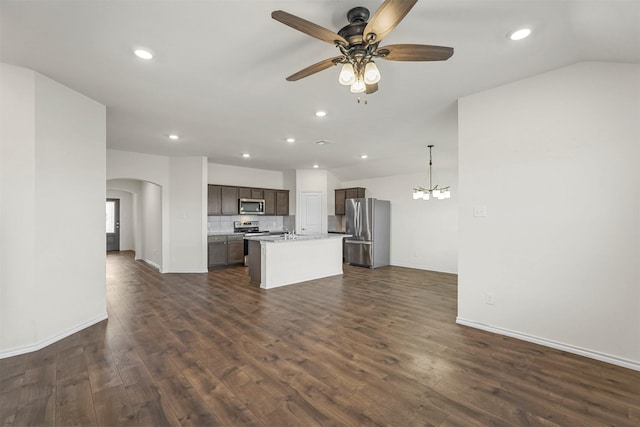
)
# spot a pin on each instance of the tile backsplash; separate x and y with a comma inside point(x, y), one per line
point(224, 224)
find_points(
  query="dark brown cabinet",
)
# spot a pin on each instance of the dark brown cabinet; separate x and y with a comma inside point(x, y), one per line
point(223, 200)
point(229, 199)
point(214, 206)
point(244, 193)
point(269, 202)
point(347, 193)
point(235, 250)
point(225, 250)
point(282, 202)
point(217, 253)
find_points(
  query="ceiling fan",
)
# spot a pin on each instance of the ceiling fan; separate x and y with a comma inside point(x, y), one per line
point(358, 43)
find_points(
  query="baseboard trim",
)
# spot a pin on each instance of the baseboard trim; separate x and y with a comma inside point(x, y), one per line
point(42, 344)
point(187, 271)
point(152, 264)
point(592, 354)
point(422, 267)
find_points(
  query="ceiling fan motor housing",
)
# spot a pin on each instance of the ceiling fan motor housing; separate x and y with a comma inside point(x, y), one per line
point(352, 32)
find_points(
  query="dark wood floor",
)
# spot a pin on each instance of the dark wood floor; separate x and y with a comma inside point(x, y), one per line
point(374, 347)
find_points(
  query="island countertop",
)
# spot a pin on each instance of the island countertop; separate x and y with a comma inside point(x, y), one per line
point(284, 260)
point(284, 238)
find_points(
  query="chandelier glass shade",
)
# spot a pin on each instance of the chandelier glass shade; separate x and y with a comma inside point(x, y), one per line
point(436, 192)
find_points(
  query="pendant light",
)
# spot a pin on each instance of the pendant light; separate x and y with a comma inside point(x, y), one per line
point(429, 192)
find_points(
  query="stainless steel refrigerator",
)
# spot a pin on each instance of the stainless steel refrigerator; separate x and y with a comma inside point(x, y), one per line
point(369, 223)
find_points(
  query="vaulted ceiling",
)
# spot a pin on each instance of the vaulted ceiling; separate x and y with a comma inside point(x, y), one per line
point(218, 75)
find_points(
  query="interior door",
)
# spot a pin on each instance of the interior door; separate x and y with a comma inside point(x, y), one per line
point(113, 224)
point(310, 213)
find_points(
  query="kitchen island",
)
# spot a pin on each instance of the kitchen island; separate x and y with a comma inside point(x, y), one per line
point(287, 259)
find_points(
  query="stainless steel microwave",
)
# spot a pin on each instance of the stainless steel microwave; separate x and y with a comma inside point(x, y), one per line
point(251, 206)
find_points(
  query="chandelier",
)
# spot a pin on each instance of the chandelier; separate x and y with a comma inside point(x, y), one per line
point(429, 192)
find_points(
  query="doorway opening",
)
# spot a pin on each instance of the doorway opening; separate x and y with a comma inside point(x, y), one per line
point(113, 224)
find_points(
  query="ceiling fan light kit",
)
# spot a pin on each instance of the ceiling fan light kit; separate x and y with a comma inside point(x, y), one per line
point(358, 44)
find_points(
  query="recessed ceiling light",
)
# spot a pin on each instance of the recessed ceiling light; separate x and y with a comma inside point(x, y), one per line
point(364, 156)
point(291, 140)
point(520, 34)
point(316, 166)
point(321, 113)
point(246, 155)
point(143, 53)
point(174, 137)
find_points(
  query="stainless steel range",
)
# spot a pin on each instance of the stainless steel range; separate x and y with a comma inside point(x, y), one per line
point(248, 228)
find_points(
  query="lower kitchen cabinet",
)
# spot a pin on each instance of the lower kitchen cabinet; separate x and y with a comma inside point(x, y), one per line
point(235, 250)
point(225, 250)
point(217, 251)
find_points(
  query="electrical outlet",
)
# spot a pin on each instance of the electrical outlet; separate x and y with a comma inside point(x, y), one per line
point(489, 298)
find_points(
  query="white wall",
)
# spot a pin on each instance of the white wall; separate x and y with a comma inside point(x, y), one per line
point(151, 232)
point(52, 196)
point(188, 214)
point(554, 159)
point(127, 224)
point(424, 233)
point(179, 244)
point(244, 177)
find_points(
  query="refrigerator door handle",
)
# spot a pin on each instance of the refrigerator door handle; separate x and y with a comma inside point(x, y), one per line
point(359, 242)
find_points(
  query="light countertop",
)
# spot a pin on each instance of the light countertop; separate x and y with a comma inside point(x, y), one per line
point(296, 237)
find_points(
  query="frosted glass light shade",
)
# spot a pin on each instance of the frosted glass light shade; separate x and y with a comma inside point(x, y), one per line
point(347, 75)
point(358, 86)
point(425, 196)
point(371, 73)
point(436, 193)
point(415, 195)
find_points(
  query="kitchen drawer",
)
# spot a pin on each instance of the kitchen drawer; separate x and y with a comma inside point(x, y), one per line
point(214, 239)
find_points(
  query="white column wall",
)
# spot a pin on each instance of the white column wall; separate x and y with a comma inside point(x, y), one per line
point(53, 237)
point(188, 213)
point(18, 327)
point(554, 160)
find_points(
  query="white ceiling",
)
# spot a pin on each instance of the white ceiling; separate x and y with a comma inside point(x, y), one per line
point(218, 75)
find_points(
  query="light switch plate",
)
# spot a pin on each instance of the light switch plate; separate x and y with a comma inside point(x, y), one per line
point(479, 211)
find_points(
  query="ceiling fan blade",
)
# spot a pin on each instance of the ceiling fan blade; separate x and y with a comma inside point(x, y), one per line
point(371, 88)
point(315, 68)
point(414, 52)
point(307, 27)
point(388, 15)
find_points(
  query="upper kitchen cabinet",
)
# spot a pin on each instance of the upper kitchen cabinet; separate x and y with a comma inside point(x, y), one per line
point(269, 202)
point(214, 205)
point(229, 199)
point(282, 202)
point(244, 193)
point(251, 193)
point(347, 193)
